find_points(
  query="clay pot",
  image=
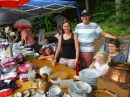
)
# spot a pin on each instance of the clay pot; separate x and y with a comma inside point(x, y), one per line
point(119, 73)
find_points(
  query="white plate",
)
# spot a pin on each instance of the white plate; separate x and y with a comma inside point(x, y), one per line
point(26, 48)
point(75, 86)
point(21, 47)
point(90, 73)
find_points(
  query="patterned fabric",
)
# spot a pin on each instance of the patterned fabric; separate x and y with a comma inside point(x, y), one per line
point(118, 58)
point(86, 35)
point(9, 66)
point(23, 68)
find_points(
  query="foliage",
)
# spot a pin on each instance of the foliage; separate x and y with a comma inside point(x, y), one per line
point(104, 15)
point(36, 22)
point(48, 21)
point(117, 24)
point(106, 10)
point(73, 24)
point(43, 22)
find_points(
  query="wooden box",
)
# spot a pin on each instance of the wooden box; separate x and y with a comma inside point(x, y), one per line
point(104, 85)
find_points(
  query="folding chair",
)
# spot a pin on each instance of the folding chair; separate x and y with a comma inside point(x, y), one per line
point(124, 46)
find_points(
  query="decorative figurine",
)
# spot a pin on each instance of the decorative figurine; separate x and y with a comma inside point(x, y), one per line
point(44, 84)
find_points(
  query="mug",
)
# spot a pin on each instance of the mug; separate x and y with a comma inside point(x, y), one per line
point(40, 93)
point(55, 91)
point(66, 95)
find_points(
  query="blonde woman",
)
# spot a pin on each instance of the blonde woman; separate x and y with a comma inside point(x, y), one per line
point(101, 62)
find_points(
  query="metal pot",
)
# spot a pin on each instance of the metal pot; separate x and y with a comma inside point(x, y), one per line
point(119, 73)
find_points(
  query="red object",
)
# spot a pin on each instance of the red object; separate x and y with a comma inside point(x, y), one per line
point(77, 68)
point(45, 54)
point(12, 3)
point(22, 23)
point(6, 93)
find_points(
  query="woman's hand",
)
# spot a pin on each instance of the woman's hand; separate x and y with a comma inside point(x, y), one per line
point(75, 62)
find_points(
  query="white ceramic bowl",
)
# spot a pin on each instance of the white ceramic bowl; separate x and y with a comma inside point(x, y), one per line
point(55, 81)
point(45, 69)
point(66, 95)
point(76, 88)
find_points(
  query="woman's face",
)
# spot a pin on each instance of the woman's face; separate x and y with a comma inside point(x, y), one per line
point(112, 48)
point(66, 27)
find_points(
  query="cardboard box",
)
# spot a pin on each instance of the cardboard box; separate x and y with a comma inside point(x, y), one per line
point(104, 85)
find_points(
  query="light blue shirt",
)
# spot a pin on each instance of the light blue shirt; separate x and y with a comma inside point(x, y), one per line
point(86, 35)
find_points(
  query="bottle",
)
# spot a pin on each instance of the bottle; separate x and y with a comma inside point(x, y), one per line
point(77, 68)
point(31, 74)
point(10, 51)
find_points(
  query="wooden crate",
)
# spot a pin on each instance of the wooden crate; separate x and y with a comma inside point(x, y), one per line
point(102, 85)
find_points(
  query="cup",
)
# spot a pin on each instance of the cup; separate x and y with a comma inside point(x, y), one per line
point(66, 95)
point(55, 91)
point(40, 93)
point(53, 62)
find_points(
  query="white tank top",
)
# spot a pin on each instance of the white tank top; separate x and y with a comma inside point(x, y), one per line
point(101, 68)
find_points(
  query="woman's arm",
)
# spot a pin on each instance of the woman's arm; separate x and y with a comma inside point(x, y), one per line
point(76, 47)
point(58, 48)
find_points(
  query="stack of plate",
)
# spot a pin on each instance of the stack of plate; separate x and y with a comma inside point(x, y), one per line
point(75, 89)
point(89, 76)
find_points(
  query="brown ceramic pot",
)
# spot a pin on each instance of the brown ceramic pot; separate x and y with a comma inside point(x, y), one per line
point(119, 73)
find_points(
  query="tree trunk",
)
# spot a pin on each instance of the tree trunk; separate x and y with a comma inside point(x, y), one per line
point(87, 5)
point(118, 3)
